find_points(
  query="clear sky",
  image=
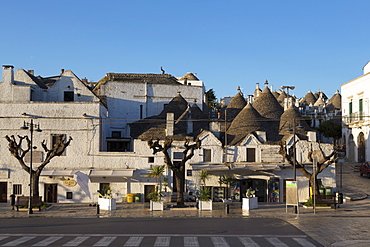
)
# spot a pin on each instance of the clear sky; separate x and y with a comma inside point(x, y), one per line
point(316, 44)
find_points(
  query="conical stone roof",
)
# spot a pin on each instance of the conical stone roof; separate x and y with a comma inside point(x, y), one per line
point(290, 119)
point(336, 100)
point(247, 121)
point(234, 107)
point(309, 98)
point(267, 105)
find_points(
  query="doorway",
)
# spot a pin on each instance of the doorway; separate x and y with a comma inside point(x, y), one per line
point(3, 192)
point(147, 190)
point(259, 185)
point(361, 148)
point(51, 193)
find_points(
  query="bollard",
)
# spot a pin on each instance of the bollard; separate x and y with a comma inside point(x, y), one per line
point(227, 208)
point(97, 209)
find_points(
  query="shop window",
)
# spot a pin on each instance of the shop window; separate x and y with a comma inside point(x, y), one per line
point(17, 189)
point(207, 155)
point(69, 195)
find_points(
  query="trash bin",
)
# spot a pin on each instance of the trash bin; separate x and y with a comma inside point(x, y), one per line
point(138, 197)
point(130, 198)
point(12, 200)
point(340, 198)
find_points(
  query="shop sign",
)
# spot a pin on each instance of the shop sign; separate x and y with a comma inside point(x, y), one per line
point(69, 182)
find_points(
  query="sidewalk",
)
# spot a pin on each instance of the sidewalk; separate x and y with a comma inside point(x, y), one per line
point(134, 210)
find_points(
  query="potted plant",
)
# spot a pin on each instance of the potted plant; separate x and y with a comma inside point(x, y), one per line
point(250, 201)
point(204, 198)
point(155, 197)
point(167, 195)
point(105, 200)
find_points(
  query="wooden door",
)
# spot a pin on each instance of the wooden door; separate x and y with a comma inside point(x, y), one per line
point(51, 193)
point(3, 192)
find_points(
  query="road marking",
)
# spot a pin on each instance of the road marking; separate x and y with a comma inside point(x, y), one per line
point(191, 242)
point(276, 242)
point(248, 242)
point(219, 242)
point(47, 242)
point(162, 241)
point(18, 241)
point(304, 242)
point(76, 241)
point(106, 241)
point(134, 241)
point(3, 237)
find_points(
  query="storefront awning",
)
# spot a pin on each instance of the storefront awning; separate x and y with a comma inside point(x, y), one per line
point(234, 167)
point(49, 172)
point(111, 173)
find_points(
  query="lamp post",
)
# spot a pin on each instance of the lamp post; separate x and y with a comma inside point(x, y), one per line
point(31, 127)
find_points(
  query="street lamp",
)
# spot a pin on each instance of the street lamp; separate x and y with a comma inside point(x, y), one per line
point(32, 127)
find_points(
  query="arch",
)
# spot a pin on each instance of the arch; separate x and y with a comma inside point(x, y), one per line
point(351, 148)
point(361, 157)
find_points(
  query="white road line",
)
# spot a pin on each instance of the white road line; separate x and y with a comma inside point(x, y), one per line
point(76, 241)
point(219, 242)
point(304, 242)
point(3, 237)
point(191, 242)
point(248, 242)
point(106, 241)
point(47, 241)
point(162, 241)
point(18, 241)
point(134, 241)
point(276, 242)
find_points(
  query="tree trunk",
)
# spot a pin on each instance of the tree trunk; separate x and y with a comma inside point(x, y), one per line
point(180, 184)
point(313, 181)
point(35, 184)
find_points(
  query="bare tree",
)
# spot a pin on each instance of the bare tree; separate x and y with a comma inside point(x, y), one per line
point(19, 152)
point(177, 168)
point(323, 162)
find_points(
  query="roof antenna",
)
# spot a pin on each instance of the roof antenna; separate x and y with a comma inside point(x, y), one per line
point(162, 70)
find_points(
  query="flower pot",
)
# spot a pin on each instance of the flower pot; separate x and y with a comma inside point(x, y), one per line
point(107, 204)
point(250, 203)
point(205, 205)
point(156, 206)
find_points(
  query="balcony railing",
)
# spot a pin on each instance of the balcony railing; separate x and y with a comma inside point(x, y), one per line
point(353, 117)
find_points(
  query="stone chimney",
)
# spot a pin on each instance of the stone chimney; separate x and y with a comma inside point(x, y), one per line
point(261, 135)
point(170, 123)
point(311, 136)
point(8, 74)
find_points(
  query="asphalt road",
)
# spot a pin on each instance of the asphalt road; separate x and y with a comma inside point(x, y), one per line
point(220, 232)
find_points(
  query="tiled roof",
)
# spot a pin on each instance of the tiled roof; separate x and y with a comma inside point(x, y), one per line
point(336, 100)
point(155, 127)
point(138, 78)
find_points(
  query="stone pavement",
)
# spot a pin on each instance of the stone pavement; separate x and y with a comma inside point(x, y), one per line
point(345, 226)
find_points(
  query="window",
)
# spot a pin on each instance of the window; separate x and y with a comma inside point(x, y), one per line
point(141, 111)
point(69, 195)
point(251, 155)
point(207, 155)
point(116, 134)
point(360, 109)
point(118, 146)
point(189, 173)
point(17, 189)
point(55, 139)
point(68, 96)
point(150, 159)
point(350, 111)
point(177, 155)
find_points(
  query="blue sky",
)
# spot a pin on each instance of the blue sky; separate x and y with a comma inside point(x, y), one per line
point(311, 45)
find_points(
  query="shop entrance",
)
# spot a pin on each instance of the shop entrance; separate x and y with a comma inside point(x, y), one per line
point(51, 193)
point(259, 185)
point(148, 189)
point(3, 192)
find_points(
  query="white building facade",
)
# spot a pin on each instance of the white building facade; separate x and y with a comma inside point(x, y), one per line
point(356, 110)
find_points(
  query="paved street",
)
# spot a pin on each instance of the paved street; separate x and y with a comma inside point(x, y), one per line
point(345, 226)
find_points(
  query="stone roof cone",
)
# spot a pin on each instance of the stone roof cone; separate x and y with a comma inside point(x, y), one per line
point(267, 105)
